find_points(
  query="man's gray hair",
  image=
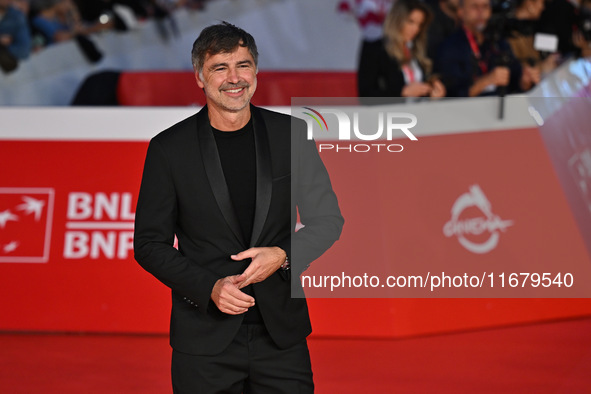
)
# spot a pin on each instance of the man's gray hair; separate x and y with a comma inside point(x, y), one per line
point(221, 38)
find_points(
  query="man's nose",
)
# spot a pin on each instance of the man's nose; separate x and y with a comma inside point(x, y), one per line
point(232, 76)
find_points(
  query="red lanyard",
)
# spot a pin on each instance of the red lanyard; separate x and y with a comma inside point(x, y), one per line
point(476, 51)
point(410, 74)
point(407, 69)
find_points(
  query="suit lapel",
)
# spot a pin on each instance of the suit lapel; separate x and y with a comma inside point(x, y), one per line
point(264, 175)
point(217, 181)
point(215, 173)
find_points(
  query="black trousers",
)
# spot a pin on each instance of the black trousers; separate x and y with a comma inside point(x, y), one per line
point(252, 364)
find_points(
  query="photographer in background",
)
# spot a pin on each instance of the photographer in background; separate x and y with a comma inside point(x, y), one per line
point(445, 22)
point(15, 38)
point(476, 61)
point(570, 21)
point(522, 29)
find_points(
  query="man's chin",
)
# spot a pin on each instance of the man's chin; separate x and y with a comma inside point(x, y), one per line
point(235, 107)
point(481, 27)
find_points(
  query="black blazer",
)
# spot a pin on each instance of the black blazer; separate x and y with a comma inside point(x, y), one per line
point(459, 68)
point(184, 192)
point(379, 74)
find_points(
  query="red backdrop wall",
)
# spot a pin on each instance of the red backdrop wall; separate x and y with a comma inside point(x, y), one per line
point(90, 281)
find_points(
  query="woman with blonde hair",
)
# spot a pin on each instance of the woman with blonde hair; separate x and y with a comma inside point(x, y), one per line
point(397, 65)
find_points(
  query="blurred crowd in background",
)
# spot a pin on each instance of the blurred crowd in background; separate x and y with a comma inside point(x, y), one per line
point(410, 48)
point(460, 48)
point(28, 26)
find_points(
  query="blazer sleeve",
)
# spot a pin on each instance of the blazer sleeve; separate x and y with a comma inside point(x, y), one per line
point(154, 233)
point(316, 203)
point(378, 75)
point(455, 65)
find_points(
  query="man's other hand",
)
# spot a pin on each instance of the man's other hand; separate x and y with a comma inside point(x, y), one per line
point(227, 295)
point(500, 76)
point(265, 261)
point(5, 39)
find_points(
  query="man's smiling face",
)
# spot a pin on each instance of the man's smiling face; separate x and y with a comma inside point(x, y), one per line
point(229, 79)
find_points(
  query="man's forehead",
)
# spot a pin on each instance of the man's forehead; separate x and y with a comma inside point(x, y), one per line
point(238, 54)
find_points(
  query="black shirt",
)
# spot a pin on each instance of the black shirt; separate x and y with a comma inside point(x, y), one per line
point(237, 154)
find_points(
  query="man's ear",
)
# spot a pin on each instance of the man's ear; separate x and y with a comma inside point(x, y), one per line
point(198, 78)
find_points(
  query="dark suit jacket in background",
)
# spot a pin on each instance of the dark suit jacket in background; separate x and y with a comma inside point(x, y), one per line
point(379, 74)
point(459, 68)
point(184, 192)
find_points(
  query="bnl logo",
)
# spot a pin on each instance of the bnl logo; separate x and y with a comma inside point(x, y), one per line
point(26, 216)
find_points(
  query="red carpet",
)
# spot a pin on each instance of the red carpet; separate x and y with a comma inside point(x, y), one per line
point(543, 358)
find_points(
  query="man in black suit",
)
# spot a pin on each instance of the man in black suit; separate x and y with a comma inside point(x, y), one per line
point(227, 182)
point(474, 62)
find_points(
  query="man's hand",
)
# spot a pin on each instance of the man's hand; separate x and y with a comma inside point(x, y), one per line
point(438, 89)
point(580, 42)
point(500, 76)
point(264, 262)
point(550, 63)
point(5, 39)
point(530, 76)
point(228, 298)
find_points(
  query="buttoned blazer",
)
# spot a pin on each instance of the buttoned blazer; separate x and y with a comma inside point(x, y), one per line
point(184, 193)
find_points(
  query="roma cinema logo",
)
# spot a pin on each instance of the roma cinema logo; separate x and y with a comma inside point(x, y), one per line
point(480, 233)
point(376, 128)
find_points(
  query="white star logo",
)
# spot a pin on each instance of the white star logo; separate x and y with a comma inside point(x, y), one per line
point(32, 205)
point(5, 216)
point(11, 247)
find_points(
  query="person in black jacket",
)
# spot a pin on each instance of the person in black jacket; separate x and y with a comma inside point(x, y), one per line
point(445, 22)
point(476, 61)
point(398, 66)
point(227, 182)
